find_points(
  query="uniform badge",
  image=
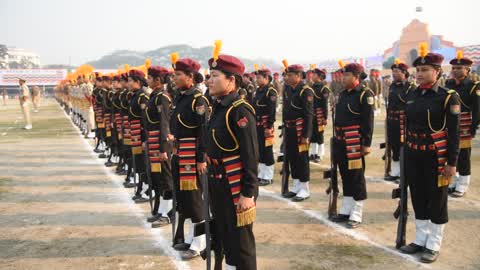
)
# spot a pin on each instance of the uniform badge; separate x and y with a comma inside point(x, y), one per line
point(309, 98)
point(325, 95)
point(242, 122)
point(478, 92)
point(200, 109)
point(370, 100)
point(454, 109)
point(142, 106)
point(159, 108)
point(273, 98)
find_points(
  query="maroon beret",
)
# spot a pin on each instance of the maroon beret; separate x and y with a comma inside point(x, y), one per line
point(135, 73)
point(461, 62)
point(294, 68)
point(402, 66)
point(124, 77)
point(264, 72)
point(187, 65)
point(431, 59)
point(157, 71)
point(228, 63)
point(354, 68)
point(320, 71)
point(106, 78)
point(117, 78)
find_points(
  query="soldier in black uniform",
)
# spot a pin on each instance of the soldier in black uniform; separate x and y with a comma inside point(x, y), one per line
point(265, 104)
point(320, 107)
point(125, 97)
point(353, 136)
point(110, 139)
point(469, 93)
point(298, 119)
point(98, 111)
point(399, 89)
point(189, 161)
point(117, 120)
point(159, 145)
point(137, 83)
point(233, 161)
point(431, 153)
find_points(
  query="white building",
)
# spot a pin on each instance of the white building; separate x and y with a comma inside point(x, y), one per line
point(19, 55)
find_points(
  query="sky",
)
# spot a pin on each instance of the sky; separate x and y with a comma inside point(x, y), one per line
point(74, 32)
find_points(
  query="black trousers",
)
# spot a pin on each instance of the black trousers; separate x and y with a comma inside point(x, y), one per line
point(162, 184)
point(393, 133)
point(463, 164)
point(353, 181)
point(238, 243)
point(266, 153)
point(140, 169)
point(317, 136)
point(429, 201)
point(189, 202)
point(299, 162)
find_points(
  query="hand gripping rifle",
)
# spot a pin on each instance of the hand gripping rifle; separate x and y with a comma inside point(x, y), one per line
point(401, 213)
point(331, 174)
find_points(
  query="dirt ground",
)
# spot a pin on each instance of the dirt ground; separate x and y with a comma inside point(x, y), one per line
point(60, 208)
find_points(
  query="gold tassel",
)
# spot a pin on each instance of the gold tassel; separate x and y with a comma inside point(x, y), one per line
point(354, 164)
point(120, 136)
point(303, 147)
point(100, 125)
point(443, 181)
point(188, 185)
point(127, 141)
point(321, 128)
point(246, 217)
point(465, 144)
point(155, 167)
point(269, 141)
point(109, 134)
point(137, 150)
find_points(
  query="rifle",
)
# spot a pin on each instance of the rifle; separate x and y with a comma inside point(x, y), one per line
point(285, 168)
point(206, 206)
point(331, 174)
point(147, 158)
point(401, 213)
point(387, 156)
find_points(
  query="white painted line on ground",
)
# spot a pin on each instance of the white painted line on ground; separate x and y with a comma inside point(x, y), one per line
point(352, 233)
point(157, 235)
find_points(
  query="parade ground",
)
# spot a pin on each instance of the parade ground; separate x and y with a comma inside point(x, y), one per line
point(61, 208)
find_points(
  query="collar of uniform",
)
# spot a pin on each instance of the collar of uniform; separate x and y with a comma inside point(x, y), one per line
point(189, 91)
point(318, 84)
point(463, 82)
point(299, 86)
point(228, 99)
point(434, 87)
point(356, 88)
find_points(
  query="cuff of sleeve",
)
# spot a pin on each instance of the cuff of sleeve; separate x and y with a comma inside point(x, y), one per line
point(452, 163)
point(247, 192)
point(201, 157)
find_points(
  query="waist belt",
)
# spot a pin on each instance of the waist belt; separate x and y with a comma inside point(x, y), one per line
point(154, 151)
point(186, 152)
point(108, 126)
point(321, 121)
point(465, 130)
point(352, 138)
point(136, 136)
point(118, 125)
point(234, 172)
point(126, 131)
point(263, 123)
